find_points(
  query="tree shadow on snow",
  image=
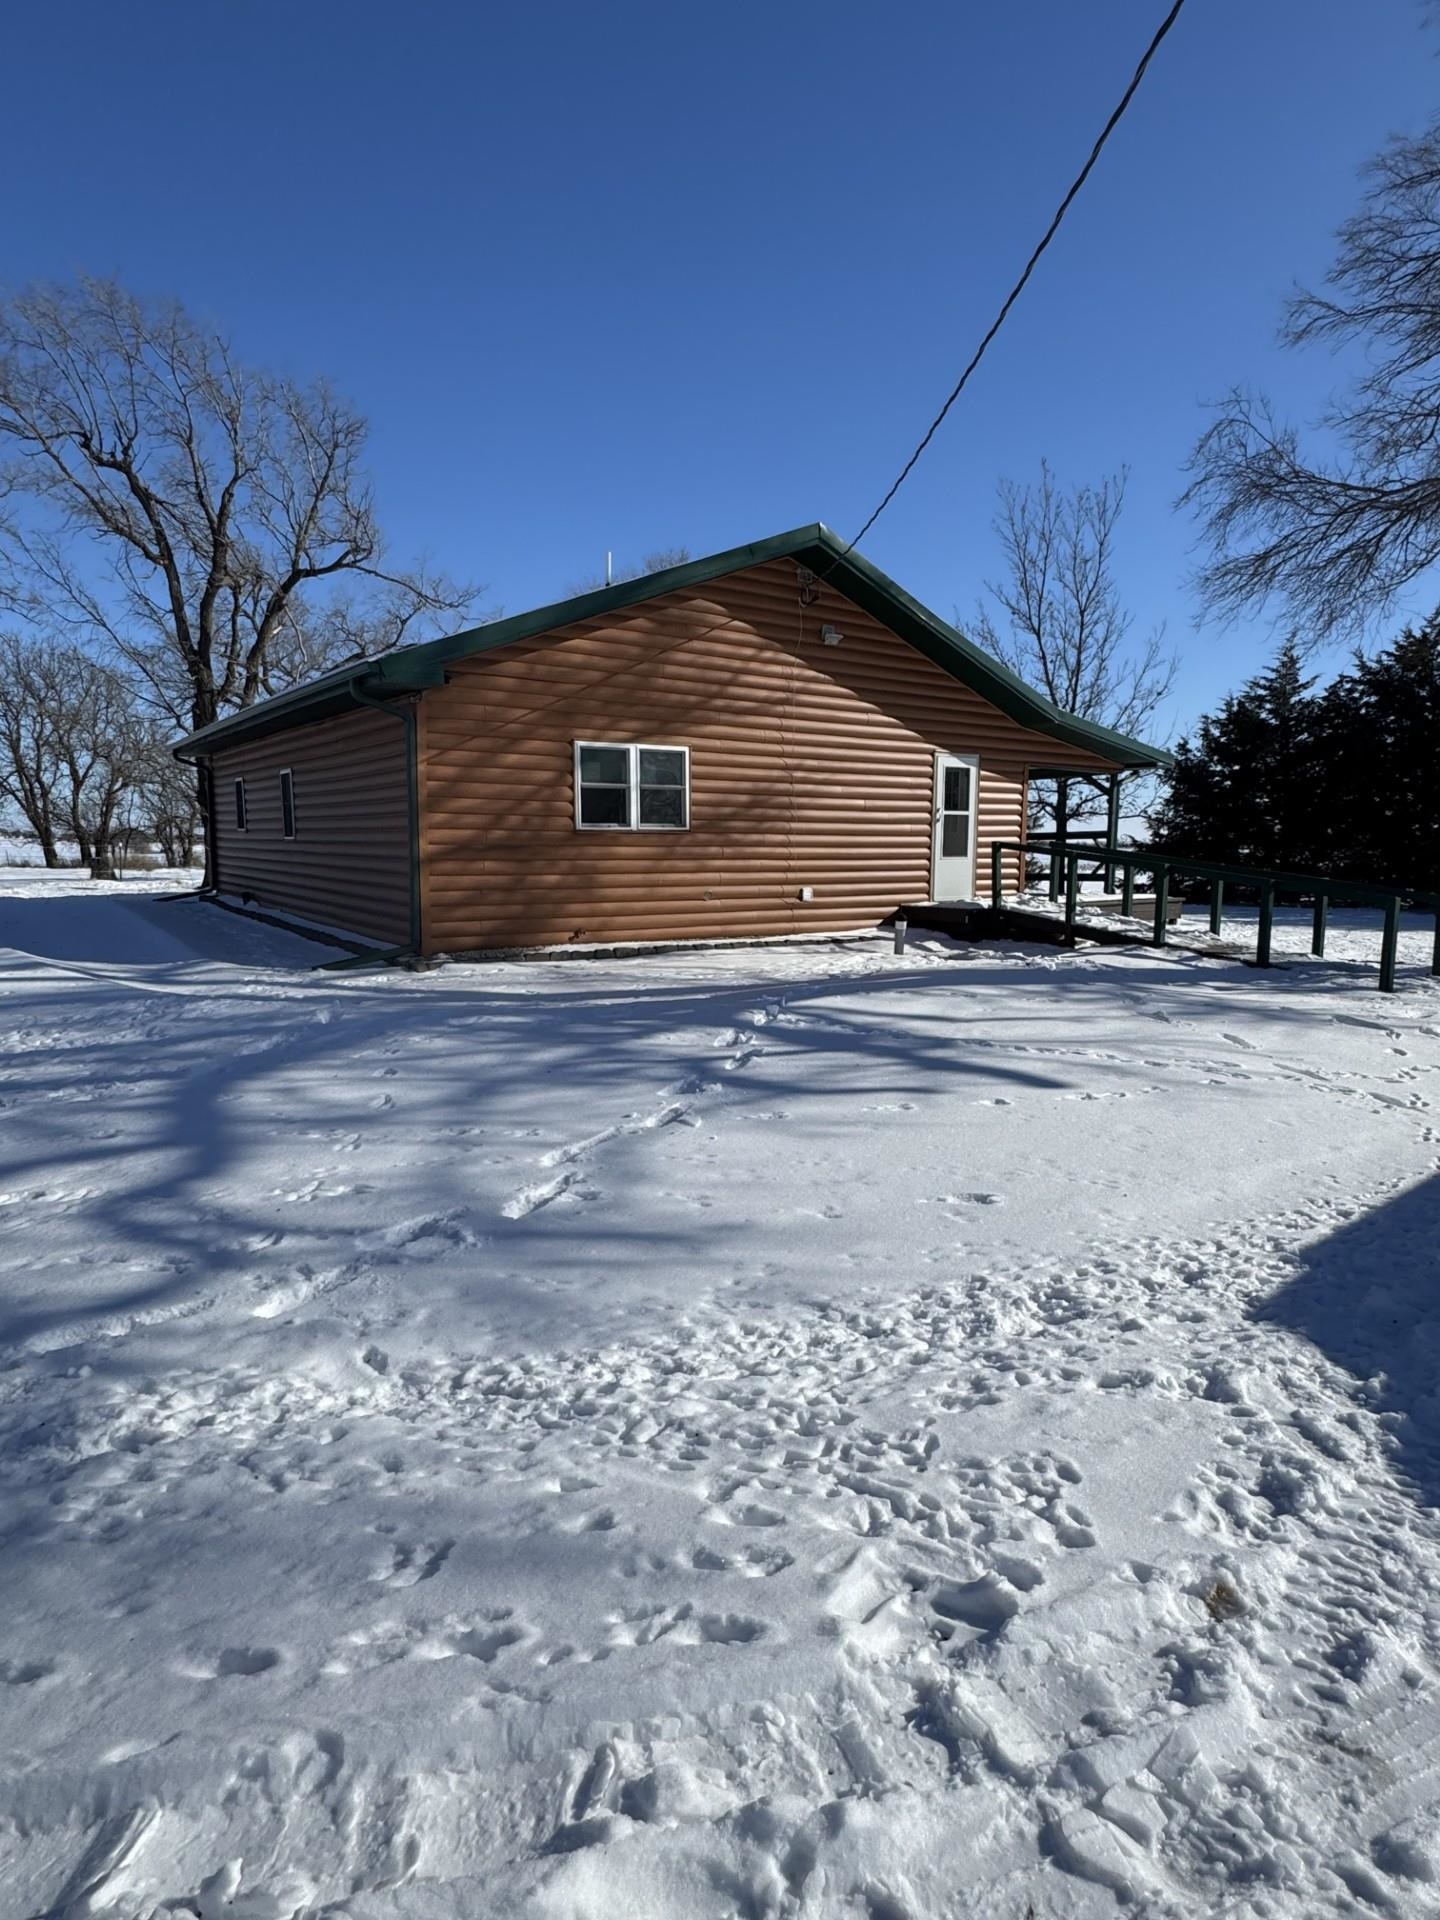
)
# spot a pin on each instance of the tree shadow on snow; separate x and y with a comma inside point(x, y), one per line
point(1368, 1296)
point(187, 1088)
point(183, 1193)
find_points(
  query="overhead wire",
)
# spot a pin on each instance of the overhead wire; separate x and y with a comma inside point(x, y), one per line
point(1015, 292)
point(1071, 194)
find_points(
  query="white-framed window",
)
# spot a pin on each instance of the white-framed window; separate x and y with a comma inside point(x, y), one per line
point(619, 789)
point(287, 803)
point(242, 811)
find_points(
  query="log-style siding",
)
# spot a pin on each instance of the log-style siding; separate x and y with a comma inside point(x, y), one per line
point(349, 863)
point(810, 766)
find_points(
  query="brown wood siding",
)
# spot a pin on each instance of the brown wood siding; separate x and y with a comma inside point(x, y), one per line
point(349, 863)
point(810, 766)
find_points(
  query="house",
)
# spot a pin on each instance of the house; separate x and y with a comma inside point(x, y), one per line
point(774, 740)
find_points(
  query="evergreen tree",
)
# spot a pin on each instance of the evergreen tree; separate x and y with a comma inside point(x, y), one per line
point(1346, 781)
point(1379, 730)
point(1243, 792)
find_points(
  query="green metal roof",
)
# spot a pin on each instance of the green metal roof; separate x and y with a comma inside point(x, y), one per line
point(411, 669)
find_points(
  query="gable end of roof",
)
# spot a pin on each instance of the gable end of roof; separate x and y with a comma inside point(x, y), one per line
point(411, 669)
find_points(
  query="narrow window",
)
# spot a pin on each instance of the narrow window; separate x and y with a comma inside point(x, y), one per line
point(242, 816)
point(604, 783)
point(663, 786)
point(631, 788)
point(287, 803)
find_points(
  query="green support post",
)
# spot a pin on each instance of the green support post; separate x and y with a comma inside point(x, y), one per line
point(1057, 855)
point(1389, 944)
point(1162, 904)
point(997, 874)
point(1317, 932)
point(1127, 895)
point(1112, 826)
point(1072, 888)
point(1217, 906)
point(1267, 922)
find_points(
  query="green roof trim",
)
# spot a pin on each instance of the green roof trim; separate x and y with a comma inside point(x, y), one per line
point(412, 669)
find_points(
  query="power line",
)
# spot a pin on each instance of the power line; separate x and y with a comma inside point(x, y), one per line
point(979, 354)
point(1019, 287)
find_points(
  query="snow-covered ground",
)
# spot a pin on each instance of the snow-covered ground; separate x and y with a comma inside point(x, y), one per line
point(785, 1432)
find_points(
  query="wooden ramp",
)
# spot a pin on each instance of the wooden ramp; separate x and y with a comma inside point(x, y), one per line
point(973, 920)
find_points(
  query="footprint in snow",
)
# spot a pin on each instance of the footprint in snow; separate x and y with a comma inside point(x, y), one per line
point(25, 1673)
point(752, 1563)
point(430, 1232)
point(751, 1514)
point(487, 1643)
point(235, 1662)
point(984, 1605)
point(684, 1627)
point(602, 1520)
point(411, 1562)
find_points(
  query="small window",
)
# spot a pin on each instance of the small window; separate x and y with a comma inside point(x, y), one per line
point(242, 812)
point(636, 788)
point(604, 786)
point(287, 803)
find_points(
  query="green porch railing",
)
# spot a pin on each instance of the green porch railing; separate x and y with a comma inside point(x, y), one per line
point(1064, 870)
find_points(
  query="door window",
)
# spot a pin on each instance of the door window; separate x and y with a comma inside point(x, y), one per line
point(955, 813)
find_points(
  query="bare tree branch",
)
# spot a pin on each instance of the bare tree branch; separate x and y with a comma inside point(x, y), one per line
point(1333, 541)
point(1062, 626)
point(186, 514)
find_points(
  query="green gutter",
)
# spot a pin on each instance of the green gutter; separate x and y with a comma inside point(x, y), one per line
point(407, 714)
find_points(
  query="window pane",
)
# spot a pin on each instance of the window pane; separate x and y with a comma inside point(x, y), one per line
point(611, 764)
point(661, 767)
point(955, 836)
point(604, 806)
point(957, 789)
point(662, 806)
point(239, 803)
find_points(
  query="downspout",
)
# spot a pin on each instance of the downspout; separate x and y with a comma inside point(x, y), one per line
point(205, 768)
point(406, 714)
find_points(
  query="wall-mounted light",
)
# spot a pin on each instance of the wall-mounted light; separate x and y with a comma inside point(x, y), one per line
point(832, 636)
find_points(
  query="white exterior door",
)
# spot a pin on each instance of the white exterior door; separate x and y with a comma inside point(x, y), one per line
point(952, 846)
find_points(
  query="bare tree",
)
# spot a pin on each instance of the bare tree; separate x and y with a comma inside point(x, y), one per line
point(165, 805)
point(1060, 624)
point(184, 509)
point(71, 746)
point(29, 760)
point(1334, 540)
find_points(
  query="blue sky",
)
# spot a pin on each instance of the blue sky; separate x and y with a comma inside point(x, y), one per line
point(634, 276)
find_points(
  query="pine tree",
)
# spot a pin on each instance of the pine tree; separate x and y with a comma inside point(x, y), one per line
point(1243, 793)
point(1379, 729)
point(1345, 782)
